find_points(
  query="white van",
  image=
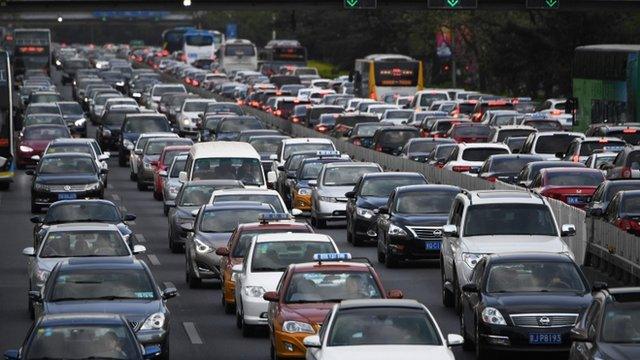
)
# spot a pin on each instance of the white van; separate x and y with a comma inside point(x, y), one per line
point(238, 54)
point(224, 160)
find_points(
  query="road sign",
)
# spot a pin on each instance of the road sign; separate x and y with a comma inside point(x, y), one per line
point(452, 4)
point(360, 4)
point(232, 31)
point(543, 4)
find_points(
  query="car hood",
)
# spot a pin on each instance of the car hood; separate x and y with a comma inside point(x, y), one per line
point(371, 202)
point(268, 280)
point(508, 243)
point(516, 303)
point(65, 179)
point(114, 128)
point(386, 352)
point(311, 312)
point(38, 145)
point(335, 191)
point(185, 211)
point(133, 310)
point(620, 351)
point(216, 239)
point(421, 220)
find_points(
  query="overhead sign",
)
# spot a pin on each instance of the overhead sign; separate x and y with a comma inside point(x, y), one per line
point(452, 4)
point(360, 4)
point(543, 4)
point(231, 31)
point(130, 14)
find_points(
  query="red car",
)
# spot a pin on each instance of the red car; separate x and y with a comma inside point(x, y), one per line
point(573, 186)
point(624, 211)
point(469, 132)
point(34, 139)
point(162, 164)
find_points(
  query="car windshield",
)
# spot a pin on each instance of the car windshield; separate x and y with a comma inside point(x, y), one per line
point(66, 165)
point(70, 108)
point(277, 255)
point(427, 99)
point(195, 106)
point(443, 151)
point(237, 125)
point(116, 118)
point(239, 50)
point(509, 165)
point(383, 326)
point(347, 175)
point(554, 144)
point(481, 154)
point(146, 125)
point(544, 276)
point(621, 323)
point(43, 119)
point(311, 170)
point(603, 159)
point(196, 195)
point(422, 146)
point(396, 138)
point(66, 148)
point(161, 90)
point(81, 342)
point(293, 148)
point(427, 202)
point(630, 135)
point(227, 220)
point(501, 120)
point(574, 178)
point(269, 199)
point(244, 242)
point(211, 123)
point(365, 130)
point(82, 212)
point(331, 286)
point(588, 147)
point(267, 145)
point(155, 147)
point(471, 131)
point(177, 167)
point(544, 125)
point(509, 219)
point(102, 284)
point(224, 108)
point(614, 188)
point(45, 133)
point(247, 170)
point(383, 186)
point(83, 243)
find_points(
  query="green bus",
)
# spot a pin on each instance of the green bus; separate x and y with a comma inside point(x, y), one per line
point(606, 84)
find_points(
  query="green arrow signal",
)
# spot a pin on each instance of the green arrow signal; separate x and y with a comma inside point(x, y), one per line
point(351, 3)
point(551, 3)
point(454, 3)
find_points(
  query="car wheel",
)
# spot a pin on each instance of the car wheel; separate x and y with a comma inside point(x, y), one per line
point(193, 281)
point(228, 308)
point(165, 210)
point(468, 344)
point(141, 186)
point(321, 224)
point(247, 330)
point(390, 261)
point(172, 245)
point(157, 196)
point(381, 255)
point(457, 294)
point(20, 166)
point(447, 296)
point(481, 352)
point(349, 236)
point(32, 310)
point(239, 321)
point(132, 176)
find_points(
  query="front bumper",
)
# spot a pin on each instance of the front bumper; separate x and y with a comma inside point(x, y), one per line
point(207, 266)
point(331, 210)
point(46, 198)
point(515, 338)
point(410, 248)
point(362, 225)
point(254, 310)
point(145, 176)
point(154, 337)
point(302, 202)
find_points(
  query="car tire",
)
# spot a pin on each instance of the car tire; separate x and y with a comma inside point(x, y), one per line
point(132, 176)
point(467, 345)
point(175, 248)
point(32, 310)
point(166, 350)
point(157, 196)
point(193, 281)
point(321, 224)
point(391, 261)
point(381, 255)
point(447, 296)
point(228, 308)
point(122, 162)
point(481, 352)
point(239, 321)
point(141, 186)
point(247, 330)
point(349, 236)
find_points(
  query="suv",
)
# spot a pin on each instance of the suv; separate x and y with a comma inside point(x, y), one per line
point(490, 222)
point(551, 145)
point(580, 149)
point(468, 158)
point(626, 165)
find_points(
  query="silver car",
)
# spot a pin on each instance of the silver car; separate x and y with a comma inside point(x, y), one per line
point(328, 201)
point(64, 241)
point(135, 156)
point(171, 184)
point(150, 156)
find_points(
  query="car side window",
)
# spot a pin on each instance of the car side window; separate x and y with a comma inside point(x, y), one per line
point(537, 182)
point(453, 156)
point(591, 323)
point(619, 161)
point(612, 209)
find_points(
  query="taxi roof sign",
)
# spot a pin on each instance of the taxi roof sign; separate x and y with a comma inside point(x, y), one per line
point(328, 153)
point(331, 257)
point(266, 217)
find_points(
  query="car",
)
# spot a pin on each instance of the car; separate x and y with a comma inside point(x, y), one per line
point(158, 90)
point(494, 222)
point(326, 123)
point(308, 291)
point(189, 198)
point(391, 139)
point(171, 183)
point(379, 329)
point(496, 118)
point(65, 176)
point(136, 154)
point(63, 336)
point(397, 116)
point(236, 249)
point(580, 149)
point(543, 124)
point(552, 145)
point(571, 186)
point(135, 124)
point(268, 257)
point(288, 171)
point(605, 192)
point(409, 225)
point(468, 158)
point(163, 164)
point(264, 196)
point(34, 139)
point(290, 146)
point(607, 328)
point(230, 127)
point(418, 149)
point(370, 192)
point(505, 167)
point(522, 302)
point(532, 169)
point(148, 163)
point(624, 210)
point(266, 146)
point(361, 134)
point(467, 132)
point(90, 285)
point(110, 126)
point(501, 133)
point(210, 124)
point(555, 108)
point(328, 192)
point(188, 118)
point(439, 155)
point(81, 145)
point(63, 241)
point(246, 135)
point(628, 132)
point(626, 165)
point(74, 116)
point(600, 160)
point(84, 210)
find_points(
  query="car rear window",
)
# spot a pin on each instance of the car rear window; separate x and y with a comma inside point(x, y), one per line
point(631, 136)
point(588, 147)
point(481, 154)
point(480, 131)
point(554, 144)
point(503, 134)
point(509, 165)
point(396, 137)
point(574, 178)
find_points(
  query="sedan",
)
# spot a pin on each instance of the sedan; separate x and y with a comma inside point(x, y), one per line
point(624, 211)
point(571, 186)
point(34, 139)
point(505, 167)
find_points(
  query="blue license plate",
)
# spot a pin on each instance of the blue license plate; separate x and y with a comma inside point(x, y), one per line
point(545, 339)
point(574, 200)
point(432, 245)
point(67, 196)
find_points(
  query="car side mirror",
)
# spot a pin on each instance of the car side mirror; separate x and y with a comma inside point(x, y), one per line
point(470, 287)
point(186, 227)
point(35, 158)
point(182, 177)
point(271, 296)
point(568, 230)
point(169, 293)
point(37, 220)
point(383, 210)
point(30, 172)
point(450, 230)
point(129, 217)
point(29, 251)
point(313, 183)
point(312, 341)
point(580, 335)
point(137, 151)
point(162, 173)
point(350, 194)
point(454, 340)
point(12, 354)
point(395, 294)
point(222, 251)
point(139, 249)
point(296, 212)
point(35, 296)
point(271, 177)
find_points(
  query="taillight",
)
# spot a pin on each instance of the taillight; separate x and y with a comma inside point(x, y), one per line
point(278, 112)
point(378, 147)
point(626, 172)
point(356, 141)
point(491, 179)
point(624, 224)
point(187, 80)
point(295, 119)
point(461, 168)
point(322, 129)
point(557, 112)
point(195, 83)
point(575, 158)
point(423, 133)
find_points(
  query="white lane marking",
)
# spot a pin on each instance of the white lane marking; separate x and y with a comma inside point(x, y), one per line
point(153, 260)
point(115, 197)
point(192, 333)
point(140, 238)
point(169, 284)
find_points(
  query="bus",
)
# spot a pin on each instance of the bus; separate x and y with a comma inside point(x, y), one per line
point(31, 50)
point(238, 54)
point(218, 38)
point(606, 84)
point(172, 39)
point(379, 75)
point(7, 150)
point(279, 53)
point(198, 44)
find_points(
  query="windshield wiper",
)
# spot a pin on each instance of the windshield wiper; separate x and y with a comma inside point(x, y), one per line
point(115, 297)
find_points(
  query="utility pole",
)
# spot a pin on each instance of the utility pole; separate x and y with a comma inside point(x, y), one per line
point(453, 55)
point(273, 26)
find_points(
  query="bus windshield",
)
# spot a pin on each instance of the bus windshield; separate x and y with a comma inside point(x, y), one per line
point(198, 40)
point(239, 50)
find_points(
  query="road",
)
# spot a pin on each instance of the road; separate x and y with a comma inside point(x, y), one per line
point(199, 327)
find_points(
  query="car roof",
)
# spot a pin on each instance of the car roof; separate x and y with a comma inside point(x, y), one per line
point(573, 170)
point(224, 149)
point(427, 187)
point(368, 303)
point(330, 265)
point(60, 141)
point(482, 197)
point(306, 140)
point(83, 226)
point(81, 201)
point(158, 134)
point(483, 145)
point(528, 256)
point(293, 237)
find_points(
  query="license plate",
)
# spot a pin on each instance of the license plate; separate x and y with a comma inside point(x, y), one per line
point(67, 196)
point(574, 200)
point(545, 339)
point(432, 245)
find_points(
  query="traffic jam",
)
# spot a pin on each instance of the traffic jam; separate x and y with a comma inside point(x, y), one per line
point(258, 217)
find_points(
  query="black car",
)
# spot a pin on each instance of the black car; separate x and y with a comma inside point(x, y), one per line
point(74, 116)
point(361, 134)
point(223, 108)
point(371, 192)
point(73, 211)
point(109, 285)
point(230, 127)
point(108, 131)
point(65, 176)
point(314, 113)
point(522, 302)
point(532, 169)
point(391, 139)
point(609, 327)
point(410, 225)
point(135, 124)
point(288, 171)
point(418, 149)
point(605, 192)
point(82, 336)
point(505, 167)
point(266, 146)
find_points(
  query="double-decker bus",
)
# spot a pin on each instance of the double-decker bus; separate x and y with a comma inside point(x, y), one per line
point(172, 39)
point(7, 150)
point(279, 53)
point(31, 50)
point(199, 44)
point(606, 84)
point(379, 75)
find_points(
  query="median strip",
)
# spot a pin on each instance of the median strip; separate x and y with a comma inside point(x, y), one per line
point(192, 333)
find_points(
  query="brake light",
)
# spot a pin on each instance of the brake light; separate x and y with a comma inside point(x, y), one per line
point(322, 129)
point(187, 80)
point(491, 179)
point(4, 142)
point(461, 168)
point(556, 112)
point(295, 120)
point(31, 49)
point(195, 82)
point(629, 131)
point(378, 147)
point(356, 141)
point(626, 172)
point(575, 158)
point(603, 141)
point(278, 112)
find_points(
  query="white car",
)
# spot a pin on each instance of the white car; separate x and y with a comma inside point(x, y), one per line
point(467, 158)
point(290, 146)
point(422, 99)
point(549, 144)
point(554, 108)
point(189, 115)
point(380, 329)
point(160, 89)
point(136, 154)
point(265, 196)
point(265, 262)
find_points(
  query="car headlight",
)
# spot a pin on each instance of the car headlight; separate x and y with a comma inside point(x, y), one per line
point(119, 83)
point(396, 231)
point(297, 327)
point(80, 122)
point(42, 275)
point(147, 165)
point(136, 95)
point(365, 213)
point(186, 121)
point(40, 187)
point(202, 247)
point(58, 63)
point(25, 148)
point(327, 199)
point(305, 191)
point(492, 316)
point(471, 259)
point(154, 322)
point(127, 144)
point(254, 291)
point(92, 186)
point(173, 189)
